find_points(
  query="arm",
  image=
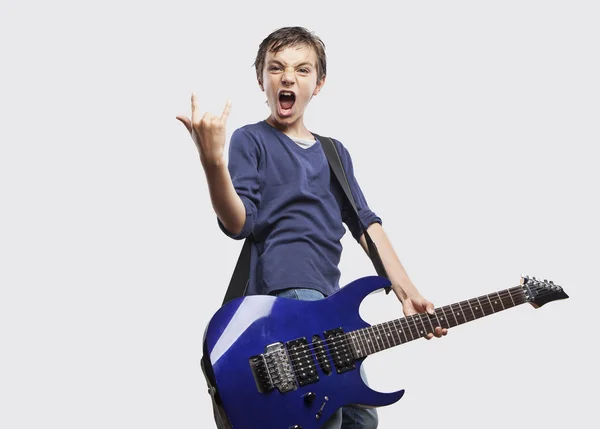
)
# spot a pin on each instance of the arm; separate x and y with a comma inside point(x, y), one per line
point(226, 203)
point(208, 133)
point(401, 283)
point(412, 300)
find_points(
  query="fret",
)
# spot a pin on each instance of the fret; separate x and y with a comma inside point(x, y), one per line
point(479, 308)
point(375, 339)
point(390, 334)
point(491, 305)
point(363, 341)
point(506, 296)
point(406, 325)
point(466, 311)
point(422, 329)
point(371, 339)
point(471, 308)
point(429, 328)
point(414, 328)
point(458, 314)
point(439, 323)
point(359, 348)
point(367, 343)
point(398, 326)
point(385, 334)
point(351, 337)
point(518, 295)
point(442, 319)
point(497, 302)
point(347, 339)
point(379, 338)
point(450, 316)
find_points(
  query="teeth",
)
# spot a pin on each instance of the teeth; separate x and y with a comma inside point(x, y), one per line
point(286, 93)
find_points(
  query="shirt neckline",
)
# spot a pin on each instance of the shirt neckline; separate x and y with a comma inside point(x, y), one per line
point(289, 140)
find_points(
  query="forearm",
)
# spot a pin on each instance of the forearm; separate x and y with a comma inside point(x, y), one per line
point(401, 283)
point(226, 203)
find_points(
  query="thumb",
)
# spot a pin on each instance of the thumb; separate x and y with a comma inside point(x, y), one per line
point(185, 121)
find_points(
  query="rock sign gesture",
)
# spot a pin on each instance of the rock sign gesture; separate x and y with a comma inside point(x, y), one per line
point(208, 133)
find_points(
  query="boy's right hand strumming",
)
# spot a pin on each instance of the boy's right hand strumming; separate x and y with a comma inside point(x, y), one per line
point(208, 133)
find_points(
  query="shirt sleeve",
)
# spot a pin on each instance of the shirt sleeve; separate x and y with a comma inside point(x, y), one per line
point(366, 215)
point(243, 169)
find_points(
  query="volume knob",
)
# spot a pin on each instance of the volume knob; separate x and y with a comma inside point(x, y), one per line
point(309, 397)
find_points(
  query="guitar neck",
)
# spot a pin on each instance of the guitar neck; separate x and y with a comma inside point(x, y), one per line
point(375, 338)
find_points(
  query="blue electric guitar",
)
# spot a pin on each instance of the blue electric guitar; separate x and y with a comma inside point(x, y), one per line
point(279, 363)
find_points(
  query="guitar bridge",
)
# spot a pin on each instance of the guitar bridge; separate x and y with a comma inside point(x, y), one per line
point(273, 370)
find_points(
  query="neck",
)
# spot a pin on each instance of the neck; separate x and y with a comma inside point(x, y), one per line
point(376, 338)
point(294, 129)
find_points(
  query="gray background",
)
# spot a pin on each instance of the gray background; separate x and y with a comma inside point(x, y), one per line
point(473, 127)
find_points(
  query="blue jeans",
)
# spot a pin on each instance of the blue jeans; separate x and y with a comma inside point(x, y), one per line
point(348, 417)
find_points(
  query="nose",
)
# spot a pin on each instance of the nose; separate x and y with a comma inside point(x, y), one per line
point(288, 76)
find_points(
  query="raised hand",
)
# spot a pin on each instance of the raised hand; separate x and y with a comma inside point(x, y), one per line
point(208, 133)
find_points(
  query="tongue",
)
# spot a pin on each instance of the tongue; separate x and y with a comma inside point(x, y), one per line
point(287, 104)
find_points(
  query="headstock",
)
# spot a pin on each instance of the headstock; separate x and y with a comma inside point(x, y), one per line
point(539, 292)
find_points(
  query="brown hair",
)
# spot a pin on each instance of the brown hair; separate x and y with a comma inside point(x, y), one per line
point(291, 36)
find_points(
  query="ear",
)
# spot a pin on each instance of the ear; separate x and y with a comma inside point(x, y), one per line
point(319, 86)
point(262, 88)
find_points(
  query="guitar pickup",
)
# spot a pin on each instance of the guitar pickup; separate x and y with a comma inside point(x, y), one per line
point(321, 354)
point(339, 350)
point(302, 360)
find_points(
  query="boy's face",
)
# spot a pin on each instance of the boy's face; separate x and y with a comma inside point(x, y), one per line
point(292, 70)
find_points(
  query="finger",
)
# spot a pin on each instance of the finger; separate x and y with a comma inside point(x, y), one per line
point(226, 111)
point(438, 332)
point(409, 311)
point(429, 308)
point(195, 110)
point(444, 331)
point(429, 336)
point(185, 121)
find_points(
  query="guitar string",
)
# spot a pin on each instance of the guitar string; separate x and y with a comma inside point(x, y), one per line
point(316, 348)
point(295, 357)
point(445, 310)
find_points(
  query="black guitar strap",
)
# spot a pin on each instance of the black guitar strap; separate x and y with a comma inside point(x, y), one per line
point(239, 280)
point(335, 163)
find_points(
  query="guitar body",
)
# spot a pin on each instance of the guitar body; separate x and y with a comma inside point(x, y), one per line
point(235, 344)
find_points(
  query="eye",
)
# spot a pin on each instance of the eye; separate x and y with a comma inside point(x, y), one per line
point(304, 70)
point(273, 68)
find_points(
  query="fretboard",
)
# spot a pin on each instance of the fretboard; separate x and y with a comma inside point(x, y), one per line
point(385, 335)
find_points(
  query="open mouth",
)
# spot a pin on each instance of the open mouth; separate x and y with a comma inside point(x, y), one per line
point(286, 101)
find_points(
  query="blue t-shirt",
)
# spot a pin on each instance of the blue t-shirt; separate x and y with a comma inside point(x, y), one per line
point(294, 209)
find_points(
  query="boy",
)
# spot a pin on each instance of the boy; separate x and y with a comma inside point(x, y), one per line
point(278, 188)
